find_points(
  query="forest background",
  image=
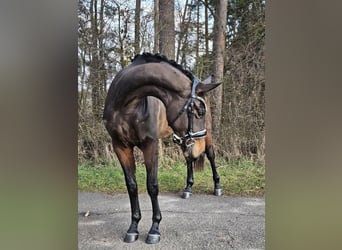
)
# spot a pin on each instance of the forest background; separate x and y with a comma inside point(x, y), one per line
point(110, 33)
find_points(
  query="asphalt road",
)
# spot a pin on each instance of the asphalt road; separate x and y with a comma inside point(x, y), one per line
point(200, 222)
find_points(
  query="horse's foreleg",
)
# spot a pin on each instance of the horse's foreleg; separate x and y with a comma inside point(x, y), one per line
point(126, 159)
point(150, 151)
point(189, 180)
point(211, 157)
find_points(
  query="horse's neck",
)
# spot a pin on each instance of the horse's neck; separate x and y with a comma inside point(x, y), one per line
point(153, 79)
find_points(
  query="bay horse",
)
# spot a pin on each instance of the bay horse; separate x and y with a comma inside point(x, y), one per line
point(149, 99)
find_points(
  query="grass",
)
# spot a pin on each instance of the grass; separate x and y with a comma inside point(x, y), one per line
point(237, 178)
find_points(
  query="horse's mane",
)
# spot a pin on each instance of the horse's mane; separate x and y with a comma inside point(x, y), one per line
point(150, 58)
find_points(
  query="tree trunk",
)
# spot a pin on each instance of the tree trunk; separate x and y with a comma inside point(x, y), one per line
point(94, 76)
point(198, 30)
point(97, 76)
point(167, 28)
point(206, 32)
point(137, 27)
point(103, 73)
point(156, 26)
point(218, 66)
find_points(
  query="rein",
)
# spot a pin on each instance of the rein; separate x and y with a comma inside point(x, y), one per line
point(188, 139)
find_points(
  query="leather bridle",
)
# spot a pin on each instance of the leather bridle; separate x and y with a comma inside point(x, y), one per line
point(188, 139)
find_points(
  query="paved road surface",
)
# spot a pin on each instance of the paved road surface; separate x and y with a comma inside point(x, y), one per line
point(200, 222)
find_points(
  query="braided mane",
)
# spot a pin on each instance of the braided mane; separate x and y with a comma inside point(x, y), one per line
point(150, 58)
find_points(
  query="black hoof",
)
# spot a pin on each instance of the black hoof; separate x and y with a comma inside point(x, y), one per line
point(218, 191)
point(153, 238)
point(186, 195)
point(131, 237)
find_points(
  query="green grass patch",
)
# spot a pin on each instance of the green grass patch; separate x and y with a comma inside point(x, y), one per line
point(237, 178)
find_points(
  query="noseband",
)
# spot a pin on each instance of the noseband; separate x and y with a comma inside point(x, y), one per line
point(188, 139)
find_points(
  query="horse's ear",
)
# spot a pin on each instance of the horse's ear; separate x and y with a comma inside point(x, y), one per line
point(206, 86)
point(207, 80)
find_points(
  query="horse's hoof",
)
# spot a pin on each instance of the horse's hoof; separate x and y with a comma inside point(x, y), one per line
point(186, 195)
point(218, 191)
point(153, 238)
point(131, 237)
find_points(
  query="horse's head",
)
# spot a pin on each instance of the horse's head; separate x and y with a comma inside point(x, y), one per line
point(189, 124)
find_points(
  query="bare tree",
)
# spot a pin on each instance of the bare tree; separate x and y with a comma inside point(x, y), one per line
point(156, 26)
point(96, 74)
point(137, 27)
point(206, 32)
point(183, 30)
point(218, 66)
point(198, 29)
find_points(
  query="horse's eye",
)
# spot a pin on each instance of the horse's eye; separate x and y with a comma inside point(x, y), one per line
point(200, 110)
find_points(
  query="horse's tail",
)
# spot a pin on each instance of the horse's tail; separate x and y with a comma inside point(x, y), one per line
point(199, 162)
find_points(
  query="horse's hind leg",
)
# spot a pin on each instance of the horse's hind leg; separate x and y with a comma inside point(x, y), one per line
point(126, 158)
point(150, 150)
point(189, 180)
point(211, 157)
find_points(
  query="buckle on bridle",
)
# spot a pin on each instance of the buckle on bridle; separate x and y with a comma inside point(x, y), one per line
point(177, 139)
point(188, 143)
point(185, 141)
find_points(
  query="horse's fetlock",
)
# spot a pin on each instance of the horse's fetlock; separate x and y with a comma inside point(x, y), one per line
point(157, 217)
point(191, 182)
point(136, 216)
point(216, 179)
